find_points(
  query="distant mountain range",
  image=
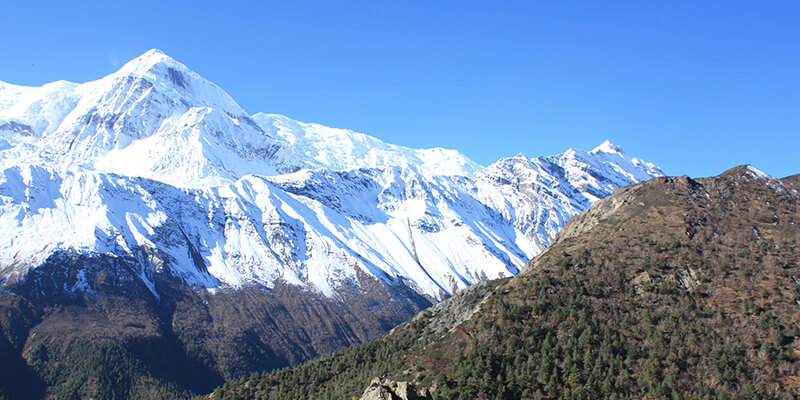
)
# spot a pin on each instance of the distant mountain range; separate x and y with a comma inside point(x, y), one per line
point(152, 190)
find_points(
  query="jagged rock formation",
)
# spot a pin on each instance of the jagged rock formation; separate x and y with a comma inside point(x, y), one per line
point(391, 390)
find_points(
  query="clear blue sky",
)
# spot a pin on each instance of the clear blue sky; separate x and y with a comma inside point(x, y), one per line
point(695, 87)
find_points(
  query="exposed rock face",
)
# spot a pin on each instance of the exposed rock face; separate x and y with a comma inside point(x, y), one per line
point(445, 315)
point(392, 390)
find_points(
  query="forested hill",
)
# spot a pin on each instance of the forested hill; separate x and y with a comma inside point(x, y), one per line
point(671, 288)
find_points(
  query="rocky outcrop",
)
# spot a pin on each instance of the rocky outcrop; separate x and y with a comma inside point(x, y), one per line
point(391, 390)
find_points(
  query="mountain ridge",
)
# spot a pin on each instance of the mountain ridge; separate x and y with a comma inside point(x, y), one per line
point(673, 287)
point(148, 203)
point(156, 120)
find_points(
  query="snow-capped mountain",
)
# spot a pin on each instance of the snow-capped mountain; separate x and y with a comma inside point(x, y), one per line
point(343, 149)
point(152, 118)
point(155, 118)
point(146, 219)
point(158, 166)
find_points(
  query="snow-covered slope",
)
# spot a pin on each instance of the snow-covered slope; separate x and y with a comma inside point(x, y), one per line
point(153, 118)
point(343, 149)
point(156, 165)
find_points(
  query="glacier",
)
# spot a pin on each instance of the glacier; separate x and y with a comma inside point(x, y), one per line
point(156, 164)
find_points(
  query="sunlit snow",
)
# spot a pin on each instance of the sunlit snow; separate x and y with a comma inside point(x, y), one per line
point(156, 162)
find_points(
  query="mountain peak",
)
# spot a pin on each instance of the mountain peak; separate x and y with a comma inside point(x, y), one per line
point(520, 156)
point(148, 61)
point(607, 147)
point(745, 170)
point(153, 56)
point(175, 81)
point(154, 53)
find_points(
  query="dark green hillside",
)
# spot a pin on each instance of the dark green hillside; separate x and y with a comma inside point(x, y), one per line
point(123, 342)
point(673, 288)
